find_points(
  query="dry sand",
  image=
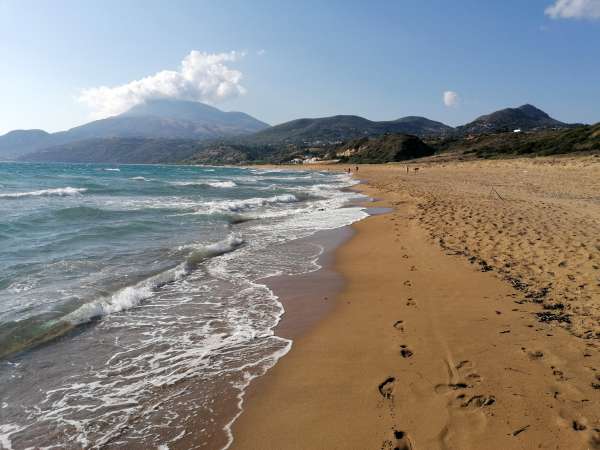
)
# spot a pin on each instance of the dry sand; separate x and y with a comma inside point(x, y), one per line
point(469, 320)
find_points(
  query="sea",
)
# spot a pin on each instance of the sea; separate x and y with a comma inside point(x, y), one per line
point(133, 312)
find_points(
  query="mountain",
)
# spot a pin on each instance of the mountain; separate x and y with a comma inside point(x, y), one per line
point(172, 131)
point(156, 151)
point(526, 117)
point(342, 128)
point(19, 142)
point(156, 119)
point(121, 150)
point(169, 119)
point(387, 148)
point(198, 113)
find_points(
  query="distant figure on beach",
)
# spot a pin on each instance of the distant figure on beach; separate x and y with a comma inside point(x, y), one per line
point(349, 170)
point(357, 168)
point(416, 169)
point(406, 169)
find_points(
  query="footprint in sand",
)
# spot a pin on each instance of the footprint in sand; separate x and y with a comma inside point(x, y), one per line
point(407, 283)
point(399, 325)
point(462, 378)
point(537, 354)
point(405, 351)
point(474, 402)
point(465, 364)
point(402, 441)
point(411, 302)
point(575, 422)
point(386, 388)
point(558, 374)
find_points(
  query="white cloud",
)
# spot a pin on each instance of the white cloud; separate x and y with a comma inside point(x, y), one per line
point(451, 99)
point(261, 52)
point(203, 77)
point(574, 9)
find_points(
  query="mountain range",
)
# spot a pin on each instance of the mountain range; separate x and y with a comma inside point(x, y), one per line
point(172, 130)
point(342, 128)
point(157, 119)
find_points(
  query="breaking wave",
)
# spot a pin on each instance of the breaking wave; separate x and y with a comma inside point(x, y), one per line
point(249, 203)
point(132, 296)
point(56, 192)
point(215, 184)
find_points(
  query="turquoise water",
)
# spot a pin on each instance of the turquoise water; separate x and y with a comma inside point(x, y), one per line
point(131, 286)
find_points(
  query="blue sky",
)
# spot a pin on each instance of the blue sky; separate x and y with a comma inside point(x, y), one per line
point(378, 59)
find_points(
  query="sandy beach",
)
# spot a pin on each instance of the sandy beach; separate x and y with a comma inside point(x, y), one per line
point(469, 318)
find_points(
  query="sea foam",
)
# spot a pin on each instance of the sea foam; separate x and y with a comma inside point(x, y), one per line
point(132, 296)
point(57, 192)
point(211, 183)
point(246, 204)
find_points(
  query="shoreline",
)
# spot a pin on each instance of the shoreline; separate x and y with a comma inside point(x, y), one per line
point(306, 298)
point(302, 311)
point(436, 353)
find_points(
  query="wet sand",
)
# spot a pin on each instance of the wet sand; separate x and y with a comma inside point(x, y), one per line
point(448, 332)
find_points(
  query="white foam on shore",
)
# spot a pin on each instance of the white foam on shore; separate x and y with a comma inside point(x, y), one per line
point(132, 296)
point(5, 432)
point(246, 204)
point(299, 223)
point(265, 364)
point(58, 192)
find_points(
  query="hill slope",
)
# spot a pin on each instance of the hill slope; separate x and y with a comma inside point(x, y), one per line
point(585, 138)
point(526, 117)
point(343, 128)
point(387, 148)
point(421, 126)
point(19, 142)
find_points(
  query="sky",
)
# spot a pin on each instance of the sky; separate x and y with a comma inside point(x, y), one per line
point(64, 63)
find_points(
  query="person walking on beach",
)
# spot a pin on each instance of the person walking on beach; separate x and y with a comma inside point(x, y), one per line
point(356, 168)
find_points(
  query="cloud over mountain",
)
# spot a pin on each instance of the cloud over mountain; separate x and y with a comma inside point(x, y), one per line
point(574, 9)
point(202, 77)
